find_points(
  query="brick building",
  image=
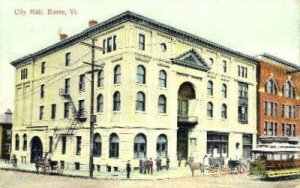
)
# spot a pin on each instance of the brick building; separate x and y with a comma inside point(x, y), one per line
point(278, 100)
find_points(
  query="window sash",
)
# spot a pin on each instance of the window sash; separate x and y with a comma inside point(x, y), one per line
point(141, 42)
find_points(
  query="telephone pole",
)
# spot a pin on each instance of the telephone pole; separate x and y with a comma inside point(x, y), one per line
point(92, 116)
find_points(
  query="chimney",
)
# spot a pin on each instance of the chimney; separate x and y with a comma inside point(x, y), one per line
point(63, 36)
point(92, 23)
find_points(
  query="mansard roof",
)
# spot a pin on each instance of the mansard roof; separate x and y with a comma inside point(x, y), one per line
point(281, 61)
point(191, 59)
point(138, 19)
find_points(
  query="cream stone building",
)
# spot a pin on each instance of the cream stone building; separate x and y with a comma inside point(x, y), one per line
point(159, 92)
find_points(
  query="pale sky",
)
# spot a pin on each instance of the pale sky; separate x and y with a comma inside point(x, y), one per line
point(249, 26)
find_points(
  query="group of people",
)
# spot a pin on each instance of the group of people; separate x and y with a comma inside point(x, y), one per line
point(146, 166)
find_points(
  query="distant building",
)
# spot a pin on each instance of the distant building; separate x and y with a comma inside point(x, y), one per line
point(278, 101)
point(5, 134)
point(160, 91)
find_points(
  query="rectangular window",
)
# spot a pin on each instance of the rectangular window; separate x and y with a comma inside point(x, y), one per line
point(270, 108)
point(78, 145)
point(242, 71)
point(43, 67)
point(224, 65)
point(104, 46)
point(42, 93)
point(243, 114)
point(68, 59)
point(24, 74)
point(53, 111)
point(64, 144)
point(50, 144)
point(41, 116)
point(81, 107)
point(77, 166)
point(66, 110)
point(67, 86)
point(109, 44)
point(271, 129)
point(114, 43)
point(141, 42)
point(81, 82)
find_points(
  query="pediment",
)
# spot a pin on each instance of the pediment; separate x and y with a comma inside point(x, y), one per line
point(192, 59)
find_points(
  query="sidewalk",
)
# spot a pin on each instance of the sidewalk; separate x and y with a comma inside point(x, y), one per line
point(135, 175)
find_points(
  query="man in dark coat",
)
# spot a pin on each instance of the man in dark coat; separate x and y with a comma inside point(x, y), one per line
point(168, 162)
point(128, 169)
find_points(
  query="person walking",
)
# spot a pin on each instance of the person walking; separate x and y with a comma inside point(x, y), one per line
point(128, 169)
point(168, 162)
point(151, 166)
point(157, 164)
point(15, 161)
point(141, 166)
point(205, 164)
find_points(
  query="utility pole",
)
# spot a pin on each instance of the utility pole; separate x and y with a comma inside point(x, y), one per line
point(92, 116)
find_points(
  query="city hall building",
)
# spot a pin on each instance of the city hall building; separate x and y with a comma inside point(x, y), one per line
point(159, 92)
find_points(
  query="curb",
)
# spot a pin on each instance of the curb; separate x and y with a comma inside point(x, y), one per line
point(86, 177)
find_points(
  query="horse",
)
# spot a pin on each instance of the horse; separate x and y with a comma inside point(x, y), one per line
point(194, 166)
point(43, 165)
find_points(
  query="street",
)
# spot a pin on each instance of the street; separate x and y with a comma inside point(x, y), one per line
point(13, 179)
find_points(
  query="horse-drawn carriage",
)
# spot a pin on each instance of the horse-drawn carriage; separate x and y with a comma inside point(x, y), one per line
point(216, 166)
point(47, 166)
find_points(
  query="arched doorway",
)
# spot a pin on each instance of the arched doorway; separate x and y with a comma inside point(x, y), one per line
point(36, 149)
point(186, 93)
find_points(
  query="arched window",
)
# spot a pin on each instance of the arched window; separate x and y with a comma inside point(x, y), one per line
point(140, 101)
point(114, 146)
point(224, 111)
point(162, 104)
point(17, 143)
point(100, 78)
point(270, 87)
point(24, 142)
point(210, 88)
point(117, 74)
point(224, 90)
point(141, 74)
point(162, 146)
point(140, 146)
point(289, 90)
point(117, 101)
point(97, 149)
point(100, 103)
point(162, 79)
point(210, 109)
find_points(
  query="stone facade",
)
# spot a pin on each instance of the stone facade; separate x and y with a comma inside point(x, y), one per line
point(145, 125)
